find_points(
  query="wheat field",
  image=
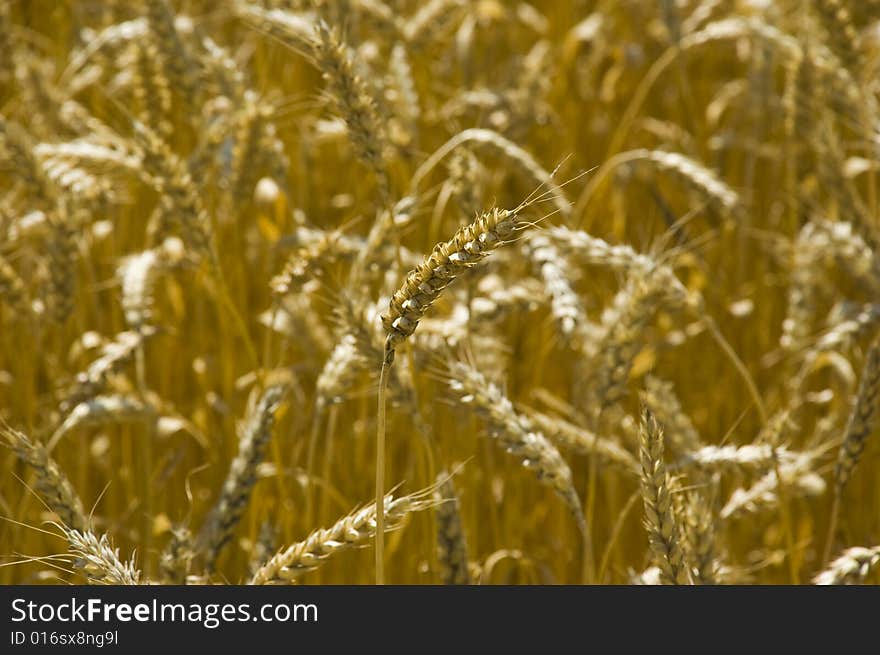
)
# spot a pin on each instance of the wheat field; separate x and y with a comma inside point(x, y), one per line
point(441, 292)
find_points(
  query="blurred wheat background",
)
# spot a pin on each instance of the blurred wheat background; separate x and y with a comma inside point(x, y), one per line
point(637, 344)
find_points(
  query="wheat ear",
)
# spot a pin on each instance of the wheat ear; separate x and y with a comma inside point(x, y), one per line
point(700, 537)
point(241, 478)
point(421, 288)
point(52, 483)
point(452, 552)
point(516, 435)
point(175, 560)
point(852, 567)
point(352, 531)
point(98, 560)
point(859, 427)
point(661, 522)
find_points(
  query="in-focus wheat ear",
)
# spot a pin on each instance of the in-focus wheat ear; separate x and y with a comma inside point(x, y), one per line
point(424, 285)
point(421, 288)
